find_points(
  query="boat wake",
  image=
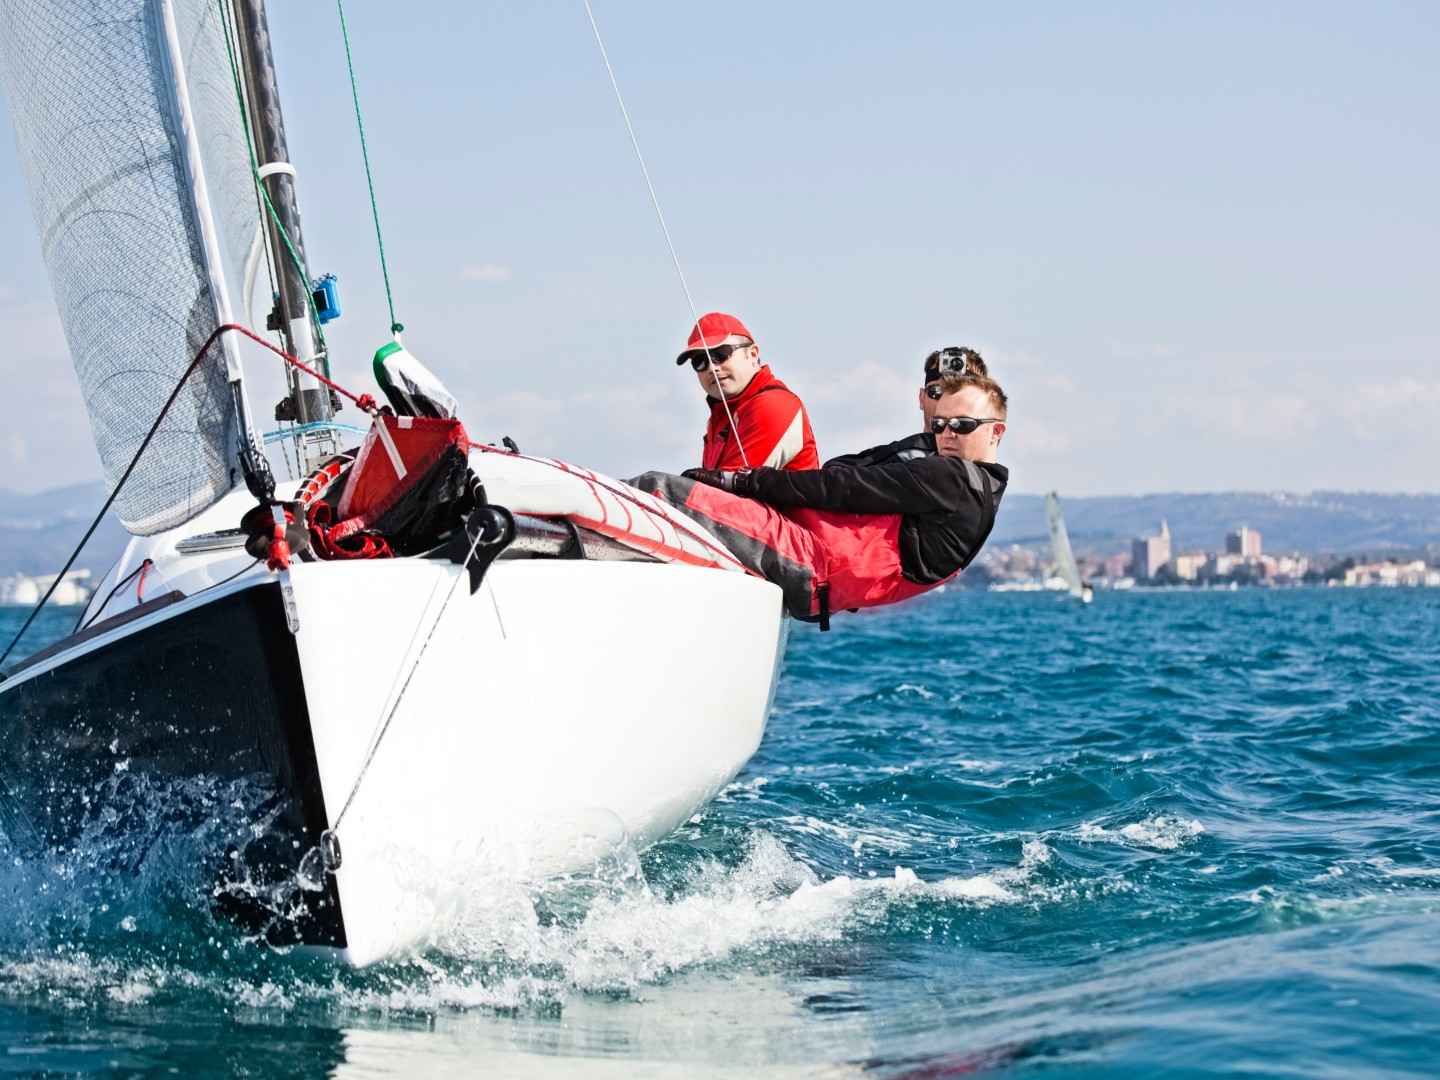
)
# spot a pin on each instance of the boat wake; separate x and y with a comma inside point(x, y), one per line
point(133, 912)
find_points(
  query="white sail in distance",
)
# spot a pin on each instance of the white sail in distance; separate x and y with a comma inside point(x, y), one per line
point(130, 136)
point(1064, 557)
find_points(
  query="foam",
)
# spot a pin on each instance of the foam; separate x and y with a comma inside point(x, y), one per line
point(512, 946)
point(877, 838)
point(1387, 867)
point(1157, 833)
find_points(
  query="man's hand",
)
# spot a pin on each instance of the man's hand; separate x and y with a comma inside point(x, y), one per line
point(737, 483)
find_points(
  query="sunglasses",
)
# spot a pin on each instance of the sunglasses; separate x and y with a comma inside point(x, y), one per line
point(960, 425)
point(700, 358)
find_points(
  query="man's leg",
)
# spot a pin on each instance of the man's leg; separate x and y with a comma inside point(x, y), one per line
point(758, 535)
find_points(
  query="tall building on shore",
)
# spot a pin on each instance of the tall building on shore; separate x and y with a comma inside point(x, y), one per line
point(1244, 542)
point(1149, 553)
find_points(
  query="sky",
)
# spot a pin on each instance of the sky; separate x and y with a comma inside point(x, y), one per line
point(1195, 243)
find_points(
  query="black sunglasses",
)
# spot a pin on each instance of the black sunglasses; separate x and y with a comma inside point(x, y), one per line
point(960, 425)
point(700, 358)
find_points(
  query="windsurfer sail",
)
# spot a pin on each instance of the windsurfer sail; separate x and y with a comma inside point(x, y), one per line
point(1065, 566)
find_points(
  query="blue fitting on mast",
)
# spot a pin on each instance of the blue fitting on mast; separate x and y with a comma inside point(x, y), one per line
point(326, 294)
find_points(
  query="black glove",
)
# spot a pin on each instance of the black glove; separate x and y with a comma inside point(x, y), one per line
point(737, 483)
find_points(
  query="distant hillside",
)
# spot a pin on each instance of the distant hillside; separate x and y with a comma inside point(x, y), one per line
point(38, 532)
point(1323, 521)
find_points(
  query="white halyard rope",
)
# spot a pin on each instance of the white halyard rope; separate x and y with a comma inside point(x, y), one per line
point(660, 214)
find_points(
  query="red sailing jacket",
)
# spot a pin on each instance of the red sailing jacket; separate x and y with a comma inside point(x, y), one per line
point(772, 424)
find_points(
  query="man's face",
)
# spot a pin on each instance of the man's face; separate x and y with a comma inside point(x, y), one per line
point(734, 374)
point(983, 443)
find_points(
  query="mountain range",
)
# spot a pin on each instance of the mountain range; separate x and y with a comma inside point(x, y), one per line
point(38, 531)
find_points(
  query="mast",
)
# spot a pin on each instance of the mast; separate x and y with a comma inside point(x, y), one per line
point(307, 402)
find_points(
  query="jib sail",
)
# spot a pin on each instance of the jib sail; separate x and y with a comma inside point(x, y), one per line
point(131, 139)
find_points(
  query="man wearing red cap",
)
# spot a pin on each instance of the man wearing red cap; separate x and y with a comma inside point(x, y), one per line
point(755, 420)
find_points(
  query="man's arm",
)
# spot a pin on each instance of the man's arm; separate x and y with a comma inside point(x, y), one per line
point(927, 485)
point(913, 446)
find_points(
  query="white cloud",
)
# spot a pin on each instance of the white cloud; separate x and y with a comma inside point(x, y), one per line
point(619, 428)
point(486, 273)
point(860, 406)
point(33, 329)
point(1263, 417)
point(1379, 401)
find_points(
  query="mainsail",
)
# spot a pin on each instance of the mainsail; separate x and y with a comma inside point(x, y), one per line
point(131, 139)
point(1060, 546)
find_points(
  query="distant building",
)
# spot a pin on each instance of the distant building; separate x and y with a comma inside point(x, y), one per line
point(1290, 567)
point(1149, 553)
point(23, 590)
point(1218, 566)
point(1189, 565)
point(1244, 542)
point(1392, 574)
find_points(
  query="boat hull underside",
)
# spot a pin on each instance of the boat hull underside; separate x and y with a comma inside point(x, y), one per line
point(565, 707)
point(157, 722)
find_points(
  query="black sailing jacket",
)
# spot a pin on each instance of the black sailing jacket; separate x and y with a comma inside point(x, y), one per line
point(947, 504)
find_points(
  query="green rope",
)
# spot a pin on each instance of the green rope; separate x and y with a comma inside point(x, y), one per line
point(265, 195)
point(395, 326)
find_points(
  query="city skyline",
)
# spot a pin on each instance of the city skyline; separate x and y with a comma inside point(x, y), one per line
point(1240, 559)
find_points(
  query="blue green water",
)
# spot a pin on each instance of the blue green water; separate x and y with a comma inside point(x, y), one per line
point(1173, 834)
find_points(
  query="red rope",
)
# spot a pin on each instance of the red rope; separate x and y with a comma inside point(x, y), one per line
point(140, 585)
point(364, 401)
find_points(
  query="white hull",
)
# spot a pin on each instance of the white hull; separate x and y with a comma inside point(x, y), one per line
point(563, 706)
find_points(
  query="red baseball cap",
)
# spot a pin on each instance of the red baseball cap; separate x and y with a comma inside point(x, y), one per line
point(712, 329)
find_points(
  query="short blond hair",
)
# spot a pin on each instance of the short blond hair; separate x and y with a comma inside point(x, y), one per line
point(950, 384)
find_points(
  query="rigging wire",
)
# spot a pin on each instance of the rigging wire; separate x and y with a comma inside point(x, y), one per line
point(660, 214)
point(227, 24)
point(365, 402)
point(383, 722)
point(80, 622)
point(144, 443)
point(395, 325)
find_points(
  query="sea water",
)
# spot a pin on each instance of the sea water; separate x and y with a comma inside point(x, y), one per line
point(1182, 834)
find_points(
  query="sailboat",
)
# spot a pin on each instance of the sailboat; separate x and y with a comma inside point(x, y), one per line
point(519, 685)
point(1060, 551)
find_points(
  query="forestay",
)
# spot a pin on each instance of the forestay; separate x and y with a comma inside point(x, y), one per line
point(131, 139)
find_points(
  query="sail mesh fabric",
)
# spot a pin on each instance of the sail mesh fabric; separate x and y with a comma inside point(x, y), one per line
point(224, 149)
point(95, 93)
